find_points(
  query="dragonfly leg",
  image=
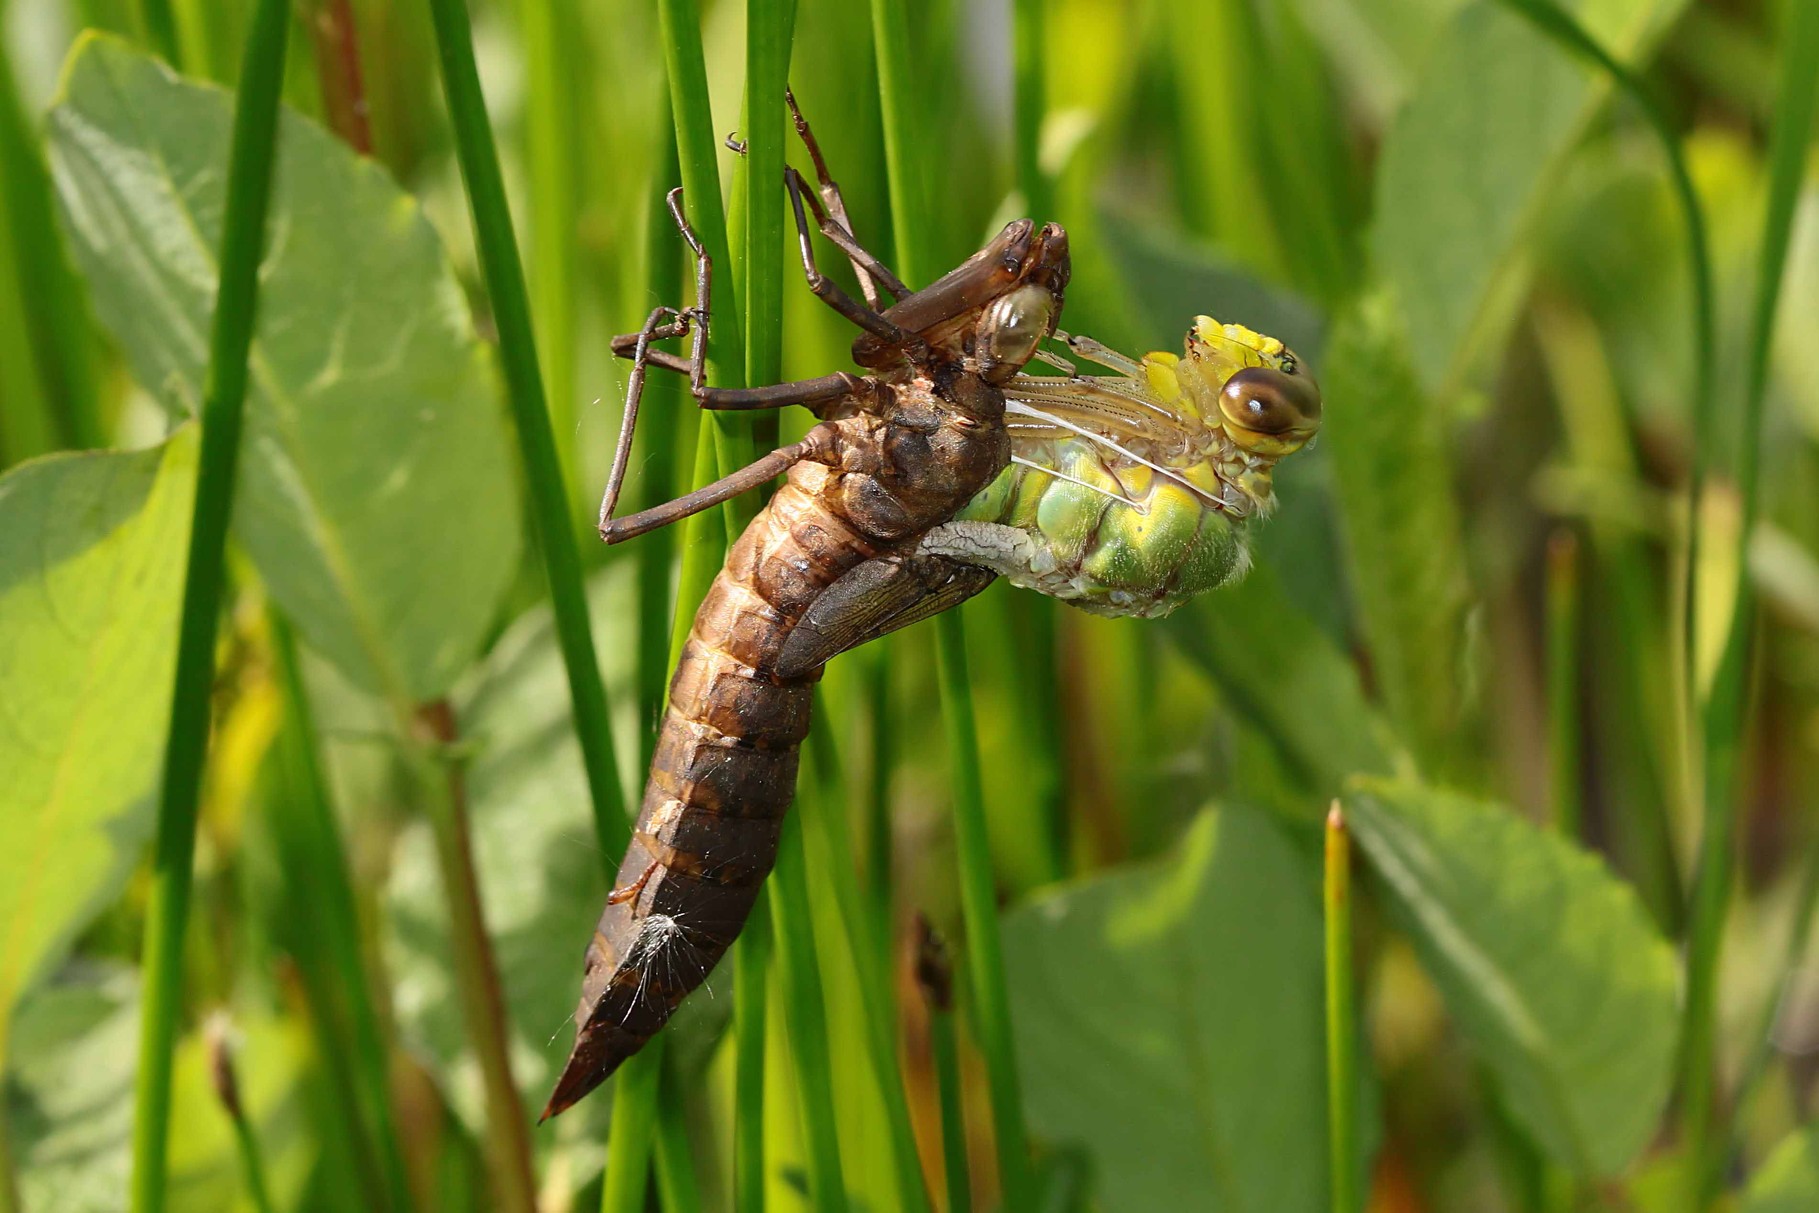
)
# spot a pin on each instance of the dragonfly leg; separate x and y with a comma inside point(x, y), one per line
point(826, 289)
point(1104, 355)
point(870, 271)
point(817, 444)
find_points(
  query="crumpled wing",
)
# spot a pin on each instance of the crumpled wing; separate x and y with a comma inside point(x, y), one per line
point(876, 598)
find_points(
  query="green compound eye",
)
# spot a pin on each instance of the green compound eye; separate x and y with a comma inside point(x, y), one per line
point(1268, 412)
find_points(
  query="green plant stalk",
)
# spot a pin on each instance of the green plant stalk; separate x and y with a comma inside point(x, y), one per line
point(656, 552)
point(881, 729)
point(628, 1138)
point(306, 822)
point(1726, 708)
point(338, 74)
point(1755, 1067)
point(751, 954)
point(249, 178)
point(498, 250)
point(1341, 1018)
point(697, 151)
point(252, 1165)
point(829, 847)
point(1029, 49)
point(161, 30)
point(979, 907)
point(946, 1051)
point(476, 970)
point(1563, 683)
point(60, 345)
point(1548, 17)
point(551, 151)
point(890, 37)
point(676, 1186)
point(805, 1015)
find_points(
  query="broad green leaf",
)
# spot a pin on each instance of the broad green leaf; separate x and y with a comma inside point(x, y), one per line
point(69, 1104)
point(1549, 963)
point(1496, 111)
point(542, 877)
point(1789, 1181)
point(1169, 1023)
point(1388, 446)
point(376, 494)
point(91, 573)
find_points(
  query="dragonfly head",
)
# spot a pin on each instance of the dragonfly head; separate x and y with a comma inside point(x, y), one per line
point(1266, 403)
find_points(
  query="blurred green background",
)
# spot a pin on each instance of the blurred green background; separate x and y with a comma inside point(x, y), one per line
point(1468, 617)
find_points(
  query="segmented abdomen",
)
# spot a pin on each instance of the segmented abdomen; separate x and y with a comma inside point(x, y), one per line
point(722, 778)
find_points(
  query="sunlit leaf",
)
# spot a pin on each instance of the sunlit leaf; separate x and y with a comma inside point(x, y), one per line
point(376, 493)
point(1549, 963)
point(91, 569)
point(1496, 110)
point(1169, 1023)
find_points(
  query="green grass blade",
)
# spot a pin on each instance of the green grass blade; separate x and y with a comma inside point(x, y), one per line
point(1726, 707)
point(311, 838)
point(551, 32)
point(628, 1139)
point(498, 249)
point(890, 35)
point(936, 978)
point(805, 1014)
point(1341, 1019)
point(55, 318)
point(979, 904)
point(751, 955)
point(249, 172)
point(160, 24)
point(1569, 33)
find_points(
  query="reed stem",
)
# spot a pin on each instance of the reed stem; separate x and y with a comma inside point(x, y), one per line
point(476, 970)
point(1563, 683)
point(253, 151)
point(305, 823)
point(628, 1138)
point(935, 975)
point(1727, 705)
point(896, 79)
point(504, 274)
point(1341, 1019)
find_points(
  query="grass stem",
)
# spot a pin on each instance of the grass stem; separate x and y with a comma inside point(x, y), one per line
point(805, 1016)
point(476, 969)
point(1727, 705)
point(1562, 640)
point(979, 905)
point(751, 956)
point(628, 1138)
point(504, 274)
point(934, 974)
point(896, 74)
point(1341, 1018)
point(304, 821)
point(253, 151)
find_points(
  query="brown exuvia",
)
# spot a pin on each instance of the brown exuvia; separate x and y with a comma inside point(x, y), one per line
point(827, 564)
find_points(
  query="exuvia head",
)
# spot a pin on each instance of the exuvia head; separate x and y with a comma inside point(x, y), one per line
point(1011, 327)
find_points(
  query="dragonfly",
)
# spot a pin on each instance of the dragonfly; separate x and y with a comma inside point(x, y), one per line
point(942, 467)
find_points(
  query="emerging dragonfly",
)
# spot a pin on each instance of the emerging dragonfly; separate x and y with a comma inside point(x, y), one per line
point(927, 478)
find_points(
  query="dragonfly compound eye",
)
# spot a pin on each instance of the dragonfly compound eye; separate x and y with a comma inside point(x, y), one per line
point(1268, 412)
point(1011, 328)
